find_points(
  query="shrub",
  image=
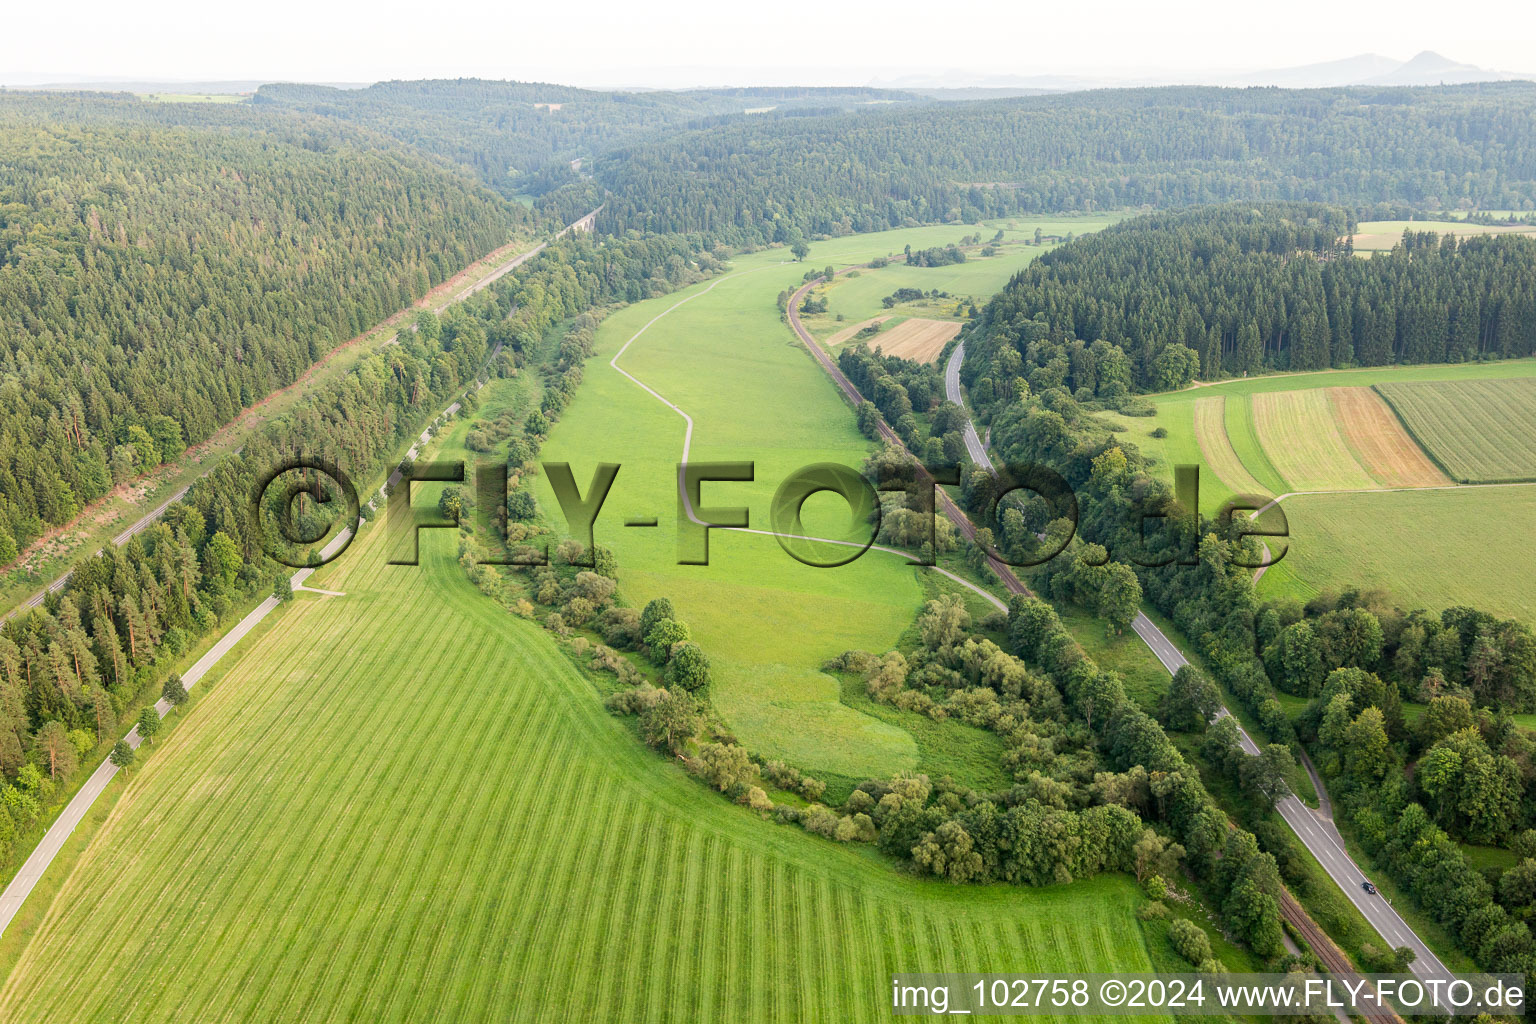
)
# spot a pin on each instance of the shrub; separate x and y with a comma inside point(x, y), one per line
point(724, 766)
point(1190, 940)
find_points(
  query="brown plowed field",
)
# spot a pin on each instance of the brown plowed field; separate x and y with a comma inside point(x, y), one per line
point(916, 339)
point(1375, 434)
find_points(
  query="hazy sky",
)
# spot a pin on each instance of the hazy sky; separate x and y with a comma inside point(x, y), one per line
point(691, 42)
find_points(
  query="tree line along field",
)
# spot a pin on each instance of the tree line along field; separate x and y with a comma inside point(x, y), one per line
point(1478, 431)
point(364, 821)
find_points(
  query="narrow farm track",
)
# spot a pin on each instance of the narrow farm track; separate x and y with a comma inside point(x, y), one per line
point(349, 845)
point(688, 441)
point(1315, 829)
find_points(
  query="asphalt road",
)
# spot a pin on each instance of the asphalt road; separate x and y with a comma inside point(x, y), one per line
point(973, 445)
point(1315, 829)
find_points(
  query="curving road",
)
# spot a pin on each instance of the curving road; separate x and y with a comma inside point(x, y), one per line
point(1315, 829)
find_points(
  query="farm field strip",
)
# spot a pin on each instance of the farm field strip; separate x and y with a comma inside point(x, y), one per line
point(1297, 431)
point(1377, 439)
point(1216, 447)
point(446, 818)
point(1478, 431)
point(916, 339)
point(848, 332)
point(1385, 234)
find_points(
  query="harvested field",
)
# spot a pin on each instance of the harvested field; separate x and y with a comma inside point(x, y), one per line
point(1216, 447)
point(916, 339)
point(1384, 234)
point(1478, 431)
point(847, 333)
point(1376, 437)
point(1298, 433)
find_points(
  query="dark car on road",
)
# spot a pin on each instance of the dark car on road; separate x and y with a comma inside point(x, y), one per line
point(1368, 887)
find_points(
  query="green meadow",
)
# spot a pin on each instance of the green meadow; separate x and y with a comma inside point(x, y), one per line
point(977, 279)
point(1429, 549)
point(721, 352)
point(407, 803)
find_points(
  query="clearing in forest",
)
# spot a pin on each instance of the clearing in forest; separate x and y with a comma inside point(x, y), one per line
point(1216, 447)
point(1384, 234)
point(916, 339)
point(1478, 431)
point(1298, 432)
point(1377, 438)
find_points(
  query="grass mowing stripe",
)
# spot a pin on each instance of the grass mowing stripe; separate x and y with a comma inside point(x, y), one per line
point(1240, 432)
point(1216, 446)
point(1297, 431)
point(565, 909)
point(1478, 431)
point(332, 852)
point(561, 829)
point(621, 905)
point(578, 941)
point(492, 906)
point(272, 815)
point(147, 853)
point(408, 938)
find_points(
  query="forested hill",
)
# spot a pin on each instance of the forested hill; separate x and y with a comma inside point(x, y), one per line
point(521, 136)
point(752, 182)
point(1154, 301)
point(164, 266)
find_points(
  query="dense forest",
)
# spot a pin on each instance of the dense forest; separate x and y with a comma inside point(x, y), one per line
point(522, 136)
point(164, 266)
point(1229, 290)
point(756, 182)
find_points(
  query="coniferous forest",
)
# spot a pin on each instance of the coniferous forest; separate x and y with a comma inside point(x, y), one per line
point(1236, 289)
point(164, 266)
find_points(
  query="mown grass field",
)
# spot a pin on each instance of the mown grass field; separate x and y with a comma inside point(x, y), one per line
point(767, 621)
point(1480, 431)
point(1300, 435)
point(1379, 442)
point(1216, 446)
point(406, 803)
point(1429, 549)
